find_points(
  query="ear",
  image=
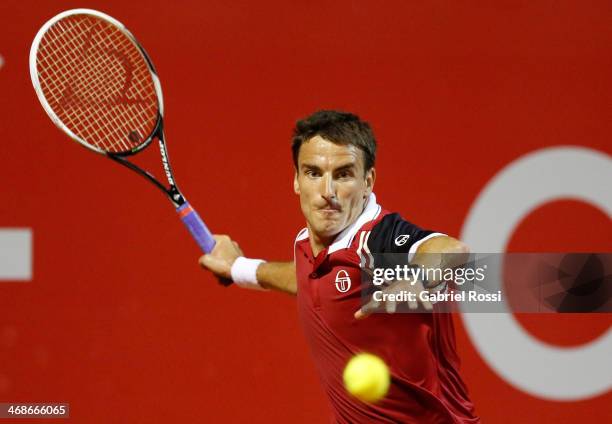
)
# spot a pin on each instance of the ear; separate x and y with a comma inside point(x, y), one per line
point(370, 180)
point(296, 185)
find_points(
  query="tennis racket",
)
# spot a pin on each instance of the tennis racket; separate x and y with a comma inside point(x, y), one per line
point(99, 86)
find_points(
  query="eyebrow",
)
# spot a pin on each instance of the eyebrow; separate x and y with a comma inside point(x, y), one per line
point(345, 167)
point(340, 168)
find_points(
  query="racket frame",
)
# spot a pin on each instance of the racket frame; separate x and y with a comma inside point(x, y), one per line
point(47, 107)
point(172, 192)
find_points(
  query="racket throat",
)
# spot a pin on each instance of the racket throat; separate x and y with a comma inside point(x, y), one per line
point(171, 192)
point(166, 162)
point(176, 197)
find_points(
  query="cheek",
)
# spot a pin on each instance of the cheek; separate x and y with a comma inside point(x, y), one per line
point(305, 195)
point(306, 189)
point(352, 191)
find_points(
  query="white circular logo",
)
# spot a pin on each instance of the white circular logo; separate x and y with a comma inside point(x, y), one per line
point(343, 281)
point(401, 240)
point(537, 368)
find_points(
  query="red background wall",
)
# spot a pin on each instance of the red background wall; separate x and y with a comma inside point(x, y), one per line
point(119, 321)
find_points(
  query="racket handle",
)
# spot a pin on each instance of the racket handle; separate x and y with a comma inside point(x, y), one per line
point(196, 227)
point(200, 232)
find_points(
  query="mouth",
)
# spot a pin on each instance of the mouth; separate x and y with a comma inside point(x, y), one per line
point(329, 211)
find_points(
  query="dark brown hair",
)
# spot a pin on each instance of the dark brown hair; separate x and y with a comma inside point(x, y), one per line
point(337, 127)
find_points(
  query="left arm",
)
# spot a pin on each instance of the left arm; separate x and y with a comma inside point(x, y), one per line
point(441, 252)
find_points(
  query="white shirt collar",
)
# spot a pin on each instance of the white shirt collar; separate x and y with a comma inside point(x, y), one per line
point(344, 239)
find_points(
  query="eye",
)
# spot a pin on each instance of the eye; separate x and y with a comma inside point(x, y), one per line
point(344, 174)
point(311, 173)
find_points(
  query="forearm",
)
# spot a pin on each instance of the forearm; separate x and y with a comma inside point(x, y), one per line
point(277, 276)
point(227, 261)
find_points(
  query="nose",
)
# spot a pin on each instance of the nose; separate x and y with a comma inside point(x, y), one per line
point(329, 188)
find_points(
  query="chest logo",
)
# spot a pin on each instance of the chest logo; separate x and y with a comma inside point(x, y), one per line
point(343, 281)
point(401, 240)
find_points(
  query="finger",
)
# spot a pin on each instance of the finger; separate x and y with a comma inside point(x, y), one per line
point(206, 261)
point(201, 261)
point(390, 307)
point(223, 239)
point(412, 304)
point(367, 309)
point(427, 305)
point(212, 263)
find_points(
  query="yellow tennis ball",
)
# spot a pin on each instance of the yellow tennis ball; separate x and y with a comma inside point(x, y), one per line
point(366, 377)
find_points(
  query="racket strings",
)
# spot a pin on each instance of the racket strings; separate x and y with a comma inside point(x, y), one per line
point(97, 83)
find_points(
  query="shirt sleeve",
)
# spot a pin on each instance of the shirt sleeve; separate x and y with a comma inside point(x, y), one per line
point(395, 235)
point(394, 241)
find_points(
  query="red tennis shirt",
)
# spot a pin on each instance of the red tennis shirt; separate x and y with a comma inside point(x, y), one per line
point(419, 348)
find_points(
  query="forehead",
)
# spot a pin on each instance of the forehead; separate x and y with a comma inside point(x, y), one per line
point(320, 151)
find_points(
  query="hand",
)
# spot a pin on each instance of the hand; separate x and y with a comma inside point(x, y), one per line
point(221, 259)
point(390, 306)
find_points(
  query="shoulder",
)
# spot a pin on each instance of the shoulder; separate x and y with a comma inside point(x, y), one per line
point(302, 235)
point(300, 238)
point(391, 233)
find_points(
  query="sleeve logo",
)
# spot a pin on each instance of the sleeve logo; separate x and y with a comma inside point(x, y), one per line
point(401, 240)
point(343, 281)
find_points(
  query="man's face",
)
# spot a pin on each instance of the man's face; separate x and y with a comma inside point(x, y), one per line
point(333, 186)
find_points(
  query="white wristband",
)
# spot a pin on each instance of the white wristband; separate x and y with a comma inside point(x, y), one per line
point(244, 272)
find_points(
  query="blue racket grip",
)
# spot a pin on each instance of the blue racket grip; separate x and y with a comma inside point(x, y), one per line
point(196, 227)
point(200, 232)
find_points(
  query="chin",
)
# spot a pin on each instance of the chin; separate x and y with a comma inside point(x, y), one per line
point(329, 227)
point(328, 230)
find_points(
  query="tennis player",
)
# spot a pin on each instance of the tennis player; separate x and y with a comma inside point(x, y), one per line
point(334, 155)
